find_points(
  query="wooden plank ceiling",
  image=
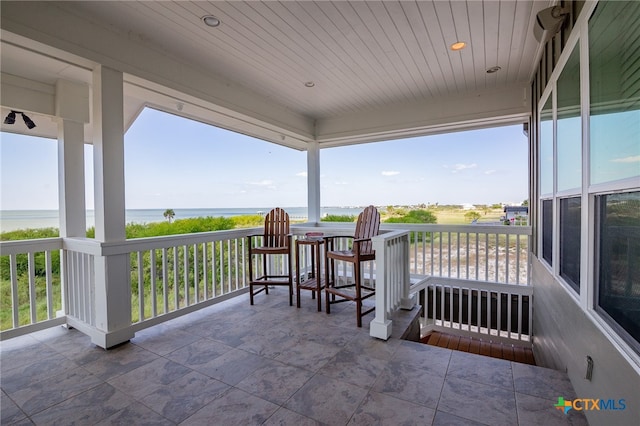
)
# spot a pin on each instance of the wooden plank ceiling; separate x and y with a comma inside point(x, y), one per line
point(360, 56)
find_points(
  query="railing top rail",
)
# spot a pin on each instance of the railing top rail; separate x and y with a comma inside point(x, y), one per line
point(421, 281)
point(166, 241)
point(427, 227)
point(391, 234)
point(30, 246)
point(467, 229)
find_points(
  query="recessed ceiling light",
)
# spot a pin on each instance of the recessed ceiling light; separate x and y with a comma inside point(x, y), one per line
point(309, 84)
point(493, 69)
point(459, 45)
point(211, 21)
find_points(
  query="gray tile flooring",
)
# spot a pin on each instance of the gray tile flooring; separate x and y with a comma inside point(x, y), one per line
point(272, 364)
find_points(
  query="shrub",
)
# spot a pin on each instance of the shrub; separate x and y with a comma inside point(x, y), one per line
point(414, 216)
point(339, 218)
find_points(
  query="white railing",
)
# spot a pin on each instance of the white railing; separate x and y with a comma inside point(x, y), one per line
point(488, 311)
point(490, 257)
point(498, 254)
point(185, 272)
point(392, 279)
point(31, 293)
point(173, 275)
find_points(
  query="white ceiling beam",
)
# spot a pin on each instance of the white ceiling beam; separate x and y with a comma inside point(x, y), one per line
point(434, 116)
point(22, 94)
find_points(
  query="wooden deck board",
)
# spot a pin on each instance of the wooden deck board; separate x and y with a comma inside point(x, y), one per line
point(443, 342)
point(481, 347)
point(454, 342)
point(464, 344)
point(507, 353)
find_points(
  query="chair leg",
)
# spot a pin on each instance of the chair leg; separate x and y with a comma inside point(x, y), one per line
point(250, 276)
point(290, 273)
point(356, 274)
point(328, 264)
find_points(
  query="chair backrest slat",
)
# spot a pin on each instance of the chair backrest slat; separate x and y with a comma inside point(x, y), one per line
point(276, 228)
point(368, 226)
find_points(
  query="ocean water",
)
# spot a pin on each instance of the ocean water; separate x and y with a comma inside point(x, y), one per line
point(11, 220)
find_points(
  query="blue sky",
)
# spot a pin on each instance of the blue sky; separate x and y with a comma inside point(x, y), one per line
point(171, 162)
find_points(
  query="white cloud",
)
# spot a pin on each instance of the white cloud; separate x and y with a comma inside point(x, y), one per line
point(389, 173)
point(341, 183)
point(302, 174)
point(490, 172)
point(459, 166)
point(635, 159)
point(264, 182)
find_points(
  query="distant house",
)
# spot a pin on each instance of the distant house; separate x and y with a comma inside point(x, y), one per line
point(513, 212)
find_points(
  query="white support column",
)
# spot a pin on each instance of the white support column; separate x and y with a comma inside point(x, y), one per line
point(108, 154)
point(313, 181)
point(73, 222)
point(381, 325)
point(112, 288)
point(72, 109)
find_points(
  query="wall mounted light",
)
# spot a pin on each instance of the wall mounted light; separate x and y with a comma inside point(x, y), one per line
point(11, 119)
point(30, 124)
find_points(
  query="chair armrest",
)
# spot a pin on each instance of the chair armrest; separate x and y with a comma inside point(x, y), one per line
point(329, 241)
point(361, 240)
point(331, 237)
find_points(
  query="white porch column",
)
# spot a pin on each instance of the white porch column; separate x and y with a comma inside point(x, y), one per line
point(112, 289)
point(71, 190)
point(313, 181)
point(72, 109)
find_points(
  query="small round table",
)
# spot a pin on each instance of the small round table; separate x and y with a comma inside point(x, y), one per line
point(313, 279)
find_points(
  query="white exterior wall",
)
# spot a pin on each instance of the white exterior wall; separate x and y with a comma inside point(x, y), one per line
point(566, 327)
point(564, 334)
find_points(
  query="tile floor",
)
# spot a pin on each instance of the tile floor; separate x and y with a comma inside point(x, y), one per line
point(271, 364)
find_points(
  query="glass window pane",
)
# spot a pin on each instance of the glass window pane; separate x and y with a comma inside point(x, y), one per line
point(619, 260)
point(570, 241)
point(547, 231)
point(614, 46)
point(569, 125)
point(546, 148)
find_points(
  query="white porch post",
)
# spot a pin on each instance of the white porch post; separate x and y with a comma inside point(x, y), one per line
point(112, 289)
point(313, 181)
point(73, 222)
point(72, 110)
point(381, 325)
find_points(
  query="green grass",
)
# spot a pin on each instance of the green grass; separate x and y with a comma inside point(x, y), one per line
point(449, 216)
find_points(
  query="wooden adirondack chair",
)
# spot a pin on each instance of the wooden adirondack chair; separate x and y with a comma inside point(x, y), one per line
point(273, 250)
point(367, 226)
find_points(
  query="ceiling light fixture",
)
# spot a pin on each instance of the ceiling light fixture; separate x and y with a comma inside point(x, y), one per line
point(309, 84)
point(459, 45)
point(11, 119)
point(211, 21)
point(493, 69)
